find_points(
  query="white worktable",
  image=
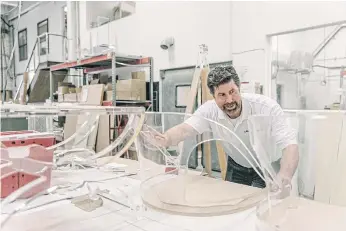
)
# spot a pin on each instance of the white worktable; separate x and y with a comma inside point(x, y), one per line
point(65, 216)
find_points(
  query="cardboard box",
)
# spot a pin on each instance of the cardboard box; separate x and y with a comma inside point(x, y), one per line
point(78, 89)
point(138, 75)
point(93, 94)
point(109, 87)
point(71, 97)
point(72, 90)
point(129, 95)
point(63, 90)
point(131, 89)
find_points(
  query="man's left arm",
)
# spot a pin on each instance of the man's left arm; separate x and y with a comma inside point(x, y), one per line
point(286, 141)
point(289, 162)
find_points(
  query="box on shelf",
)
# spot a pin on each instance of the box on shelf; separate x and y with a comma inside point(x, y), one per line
point(123, 95)
point(109, 87)
point(78, 89)
point(63, 89)
point(71, 97)
point(138, 75)
point(131, 89)
point(92, 94)
point(129, 95)
point(72, 90)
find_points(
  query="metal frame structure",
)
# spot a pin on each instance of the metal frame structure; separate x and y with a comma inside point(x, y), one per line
point(32, 57)
point(268, 56)
point(106, 62)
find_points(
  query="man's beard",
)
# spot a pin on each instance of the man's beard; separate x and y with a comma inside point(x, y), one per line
point(231, 109)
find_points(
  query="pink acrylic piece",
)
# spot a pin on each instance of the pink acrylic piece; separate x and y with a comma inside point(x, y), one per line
point(16, 132)
point(9, 181)
point(25, 169)
point(43, 141)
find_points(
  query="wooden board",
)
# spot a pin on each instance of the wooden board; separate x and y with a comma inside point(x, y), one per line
point(191, 99)
point(103, 133)
point(90, 141)
point(70, 129)
point(189, 195)
point(206, 95)
point(93, 94)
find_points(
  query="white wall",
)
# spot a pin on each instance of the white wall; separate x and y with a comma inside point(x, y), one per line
point(190, 23)
point(54, 12)
point(252, 21)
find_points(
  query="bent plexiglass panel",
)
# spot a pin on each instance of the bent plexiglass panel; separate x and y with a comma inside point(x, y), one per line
point(317, 186)
point(36, 170)
point(170, 185)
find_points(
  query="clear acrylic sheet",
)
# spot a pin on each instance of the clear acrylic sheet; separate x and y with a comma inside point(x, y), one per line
point(81, 159)
point(317, 197)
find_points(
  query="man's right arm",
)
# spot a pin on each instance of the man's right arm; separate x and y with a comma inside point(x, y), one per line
point(176, 134)
point(196, 124)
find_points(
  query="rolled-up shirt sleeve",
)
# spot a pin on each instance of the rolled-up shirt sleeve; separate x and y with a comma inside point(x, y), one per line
point(198, 121)
point(282, 130)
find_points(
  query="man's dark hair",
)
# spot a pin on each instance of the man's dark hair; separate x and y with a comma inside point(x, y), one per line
point(221, 75)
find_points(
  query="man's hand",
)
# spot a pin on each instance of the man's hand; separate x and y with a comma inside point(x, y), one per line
point(284, 188)
point(174, 135)
point(162, 140)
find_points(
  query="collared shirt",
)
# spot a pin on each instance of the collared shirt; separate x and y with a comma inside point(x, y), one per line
point(281, 133)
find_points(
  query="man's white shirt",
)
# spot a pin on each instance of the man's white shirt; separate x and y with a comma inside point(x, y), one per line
point(282, 134)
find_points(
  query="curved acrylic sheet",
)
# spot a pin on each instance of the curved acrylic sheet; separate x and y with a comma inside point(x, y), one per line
point(86, 129)
point(165, 170)
point(320, 176)
point(27, 176)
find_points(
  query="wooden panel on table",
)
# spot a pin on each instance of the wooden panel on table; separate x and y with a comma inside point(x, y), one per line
point(103, 138)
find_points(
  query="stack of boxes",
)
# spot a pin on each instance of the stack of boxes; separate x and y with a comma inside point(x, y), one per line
point(129, 89)
point(133, 89)
point(69, 93)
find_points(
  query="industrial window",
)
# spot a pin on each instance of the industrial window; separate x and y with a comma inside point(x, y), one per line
point(181, 95)
point(22, 45)
point(42, 28)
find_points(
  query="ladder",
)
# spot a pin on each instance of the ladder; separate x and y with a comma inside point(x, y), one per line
point(200, 90)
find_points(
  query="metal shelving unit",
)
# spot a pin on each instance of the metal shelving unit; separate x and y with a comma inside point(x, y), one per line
point(110, 61)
